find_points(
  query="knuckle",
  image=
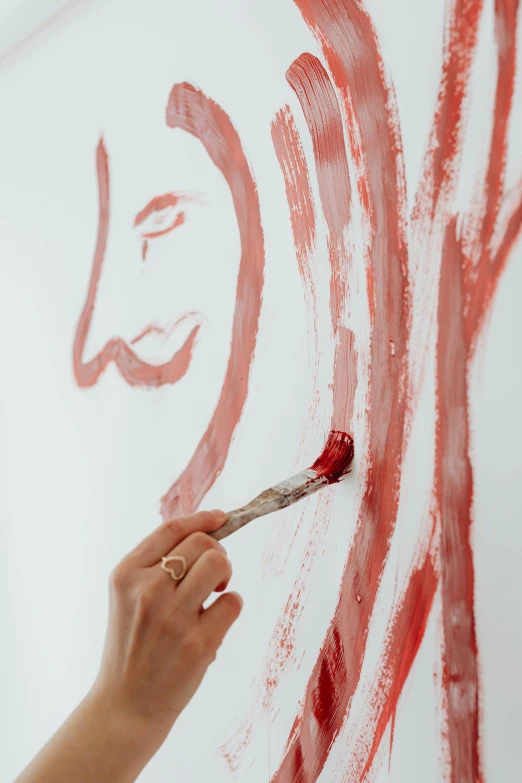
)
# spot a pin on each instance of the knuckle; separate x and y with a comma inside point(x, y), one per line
point(120, 578)
point(201, 540)
point(174, 528)
point(219, 563)
point(145, 598)
point(206, 516)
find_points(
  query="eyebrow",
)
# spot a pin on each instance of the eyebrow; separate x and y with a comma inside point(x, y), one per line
point(162, 202)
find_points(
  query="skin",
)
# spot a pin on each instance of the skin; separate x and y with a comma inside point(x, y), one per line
point(159, 644)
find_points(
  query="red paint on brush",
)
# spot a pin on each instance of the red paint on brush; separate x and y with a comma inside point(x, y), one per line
point(336, 457)
point(192, 111)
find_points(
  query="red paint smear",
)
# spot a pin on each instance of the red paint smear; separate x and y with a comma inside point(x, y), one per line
point(404, 636)
point(454, 493)
point(438, 180)
point(345, 379)
point(482, 268)
point(316, 94)
point(135, 371)
point(336, 457)
point(292, 161)
point(459, 326)
point(195, 113)
point(350, 47)
point(330, 160)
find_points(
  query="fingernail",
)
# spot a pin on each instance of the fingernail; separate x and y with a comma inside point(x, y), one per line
point(219, 515)
point(222, 548)
point(240, 598)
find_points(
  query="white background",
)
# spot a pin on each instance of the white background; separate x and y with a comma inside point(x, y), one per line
point(82, 471)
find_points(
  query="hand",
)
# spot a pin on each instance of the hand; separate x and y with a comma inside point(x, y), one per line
point(160, 641)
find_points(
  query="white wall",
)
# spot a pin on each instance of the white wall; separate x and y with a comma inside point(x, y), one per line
point(19, 19)
point(82, 471)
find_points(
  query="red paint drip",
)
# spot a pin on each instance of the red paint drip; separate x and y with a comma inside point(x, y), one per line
point(336, 457)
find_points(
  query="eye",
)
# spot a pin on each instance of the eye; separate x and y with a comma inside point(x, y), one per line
point(162, 215)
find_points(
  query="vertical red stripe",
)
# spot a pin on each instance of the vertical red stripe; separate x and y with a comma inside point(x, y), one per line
point(350, 48)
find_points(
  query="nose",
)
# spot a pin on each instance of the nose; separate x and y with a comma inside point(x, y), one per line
point(112, 304)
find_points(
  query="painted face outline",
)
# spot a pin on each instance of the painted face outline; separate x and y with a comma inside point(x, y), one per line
point(192, 111)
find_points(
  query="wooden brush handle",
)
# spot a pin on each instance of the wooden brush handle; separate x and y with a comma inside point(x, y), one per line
point(273, 499)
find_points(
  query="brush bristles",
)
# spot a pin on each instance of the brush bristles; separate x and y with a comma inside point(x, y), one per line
point(336, 457)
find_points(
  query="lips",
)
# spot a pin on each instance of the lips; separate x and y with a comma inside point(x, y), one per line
point(157, 343)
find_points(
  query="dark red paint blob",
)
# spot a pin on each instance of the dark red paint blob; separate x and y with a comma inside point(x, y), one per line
point(336, 456)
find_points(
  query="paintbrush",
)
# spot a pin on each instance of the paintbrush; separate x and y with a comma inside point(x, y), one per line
point(331, 467)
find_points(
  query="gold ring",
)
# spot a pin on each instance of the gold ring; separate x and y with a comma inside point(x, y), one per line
point(177, 577)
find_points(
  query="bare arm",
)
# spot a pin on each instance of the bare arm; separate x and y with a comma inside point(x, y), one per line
point(159, 644)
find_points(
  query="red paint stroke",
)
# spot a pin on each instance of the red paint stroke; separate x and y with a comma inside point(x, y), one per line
point(345, 378)
point(438, 180)
point(313, 87)
point(459, 327)
point(135, 371)
point(159, 204)
point(350, 47)
point(192, 111)
point(163, 332)
point(292, 161)
point(291, 158)
point(454, 493)
point(336, 457)
point(404, 635)
point(176, 221)
point(482, 265)
point(316, 94)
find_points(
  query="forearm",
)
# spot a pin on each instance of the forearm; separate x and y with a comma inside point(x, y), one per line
point(97, 744)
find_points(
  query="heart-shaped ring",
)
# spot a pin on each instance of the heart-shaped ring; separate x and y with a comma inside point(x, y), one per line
point(177, 577)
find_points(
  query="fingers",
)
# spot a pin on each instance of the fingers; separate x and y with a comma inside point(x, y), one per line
point(217, 619)
point(210, 571)
point(195, 545)
point(171, 533)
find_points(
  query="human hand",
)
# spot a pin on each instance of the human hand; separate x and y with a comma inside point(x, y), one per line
point(160, 641)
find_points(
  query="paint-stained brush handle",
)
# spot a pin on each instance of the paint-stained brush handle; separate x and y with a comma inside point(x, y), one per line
point(282, 495)
point(332, 466)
